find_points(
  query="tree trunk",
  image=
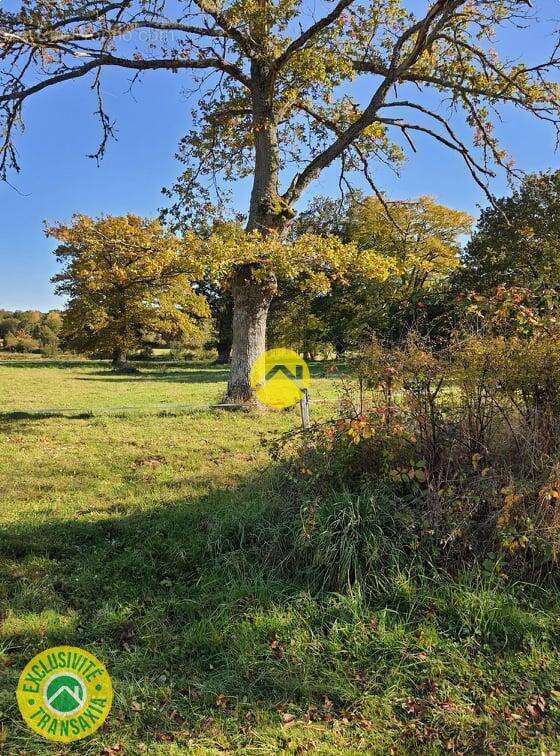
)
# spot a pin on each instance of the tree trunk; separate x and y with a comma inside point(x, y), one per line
point(224, 353)
point(267, 214)
point(224, 316)
point(119, 359)
point(251, 304)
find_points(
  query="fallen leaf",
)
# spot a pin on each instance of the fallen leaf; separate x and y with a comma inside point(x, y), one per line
point(112, 750)
point(148, 462)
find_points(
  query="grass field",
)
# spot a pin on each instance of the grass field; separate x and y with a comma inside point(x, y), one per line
point(120, 495)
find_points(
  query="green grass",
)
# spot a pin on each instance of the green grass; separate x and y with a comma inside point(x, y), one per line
point(75, 387)
point(132, 529)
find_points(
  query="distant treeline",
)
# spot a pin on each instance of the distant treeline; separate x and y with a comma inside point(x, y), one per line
point(30, 331)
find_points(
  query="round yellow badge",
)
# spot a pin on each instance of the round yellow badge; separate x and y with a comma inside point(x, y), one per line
point(64, 694)
point(278, 377)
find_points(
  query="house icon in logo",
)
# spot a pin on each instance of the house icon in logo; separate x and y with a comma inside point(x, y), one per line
point(298, 376)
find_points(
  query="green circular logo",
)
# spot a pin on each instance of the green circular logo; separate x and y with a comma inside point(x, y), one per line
point(64, 694)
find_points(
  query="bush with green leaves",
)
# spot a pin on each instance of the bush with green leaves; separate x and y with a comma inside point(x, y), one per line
point(460, 446)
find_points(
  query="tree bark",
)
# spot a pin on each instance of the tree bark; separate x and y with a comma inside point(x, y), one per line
point(119, 358)
point(252, 300)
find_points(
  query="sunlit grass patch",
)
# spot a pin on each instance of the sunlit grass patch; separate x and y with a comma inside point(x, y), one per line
point(38, 627)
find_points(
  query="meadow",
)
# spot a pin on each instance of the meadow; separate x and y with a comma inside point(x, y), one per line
point(132, 522)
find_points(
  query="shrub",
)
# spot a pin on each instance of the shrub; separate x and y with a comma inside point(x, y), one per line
point(464, 443)
point(21, 342)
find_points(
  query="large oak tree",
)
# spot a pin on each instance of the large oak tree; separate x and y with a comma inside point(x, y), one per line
point(273, 99)
point(126, 278)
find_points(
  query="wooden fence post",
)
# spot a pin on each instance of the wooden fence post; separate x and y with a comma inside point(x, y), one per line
point(304, 409)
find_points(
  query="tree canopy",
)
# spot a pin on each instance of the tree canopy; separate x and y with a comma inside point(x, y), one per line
point(517, 242)
point(421, 237)
point(278, 76)
point(125, 277)
point(418, 246)
point(309, 261)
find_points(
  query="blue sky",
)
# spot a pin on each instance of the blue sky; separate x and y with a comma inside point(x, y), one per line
point(58, 179)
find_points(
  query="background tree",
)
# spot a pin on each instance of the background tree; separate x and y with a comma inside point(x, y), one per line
point(296, 322)
point(30, 330)
point(325, 216)
point(9, 324)
point(219, 298)
point(517, 241)
point(422, 239)
point(300, 317)
point(420, 243)
point(221, 308)
point(125, 277)
point(277, 109)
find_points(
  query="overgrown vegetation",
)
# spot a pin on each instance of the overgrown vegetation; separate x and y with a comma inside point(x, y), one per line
point(449, 458)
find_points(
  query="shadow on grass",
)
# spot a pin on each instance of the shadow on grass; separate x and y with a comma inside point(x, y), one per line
point(154, 596)
point(203, 638)
point(185, 374)
point(147, 410)
point(47, 363)
point(44, 415)
point(105, 365)
point(217, 375)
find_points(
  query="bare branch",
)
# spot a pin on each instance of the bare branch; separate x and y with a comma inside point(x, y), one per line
point(135, 64)
point(311, 33)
